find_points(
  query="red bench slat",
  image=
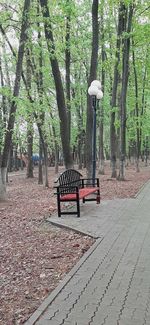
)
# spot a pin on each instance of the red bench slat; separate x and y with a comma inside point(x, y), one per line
point(83, 192)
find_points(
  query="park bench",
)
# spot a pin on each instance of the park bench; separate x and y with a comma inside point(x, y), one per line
point(72, 187)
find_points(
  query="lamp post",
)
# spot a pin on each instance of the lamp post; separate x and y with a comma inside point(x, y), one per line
point(96, 93)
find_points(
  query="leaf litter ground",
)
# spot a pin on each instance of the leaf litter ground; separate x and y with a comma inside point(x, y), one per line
point(34, 255)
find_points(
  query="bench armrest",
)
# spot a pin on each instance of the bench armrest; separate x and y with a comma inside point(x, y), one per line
point(90, 182)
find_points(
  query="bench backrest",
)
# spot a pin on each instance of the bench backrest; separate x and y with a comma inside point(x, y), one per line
point(68, 180)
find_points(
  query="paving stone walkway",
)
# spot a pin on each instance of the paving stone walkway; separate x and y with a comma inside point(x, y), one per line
point(111, 283)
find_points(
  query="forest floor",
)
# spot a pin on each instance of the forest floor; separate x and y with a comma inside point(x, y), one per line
point(35, 256)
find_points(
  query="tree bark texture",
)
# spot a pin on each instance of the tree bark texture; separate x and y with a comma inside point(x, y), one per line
point(138, 145)
point(30, 130)
point(3, 172)
point(143, 104)
point(113, 145)
point(64, 128)
point(92, 76)
point(2, 112)
point(101, 110)
point(125, 73)
point(40, 171)
point(101, 144)
point(67, 66)
point(56, 157)
point(30, 150)
point(80, 137)
point(42, 115)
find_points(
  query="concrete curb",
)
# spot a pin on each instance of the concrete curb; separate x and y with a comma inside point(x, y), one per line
point(41, 309)
point(141, 189)
point(54, 223)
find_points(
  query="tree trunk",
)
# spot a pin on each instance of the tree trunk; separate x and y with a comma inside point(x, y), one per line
point(21, 160)
point(1, 136)
point(3, 172)
point(136, 111)
point(42, 115)
point(10, 159)
point(30, 150)
point(64, 128)
point(46, 166)
point(113, 145)
point(101, 123)
point(30, 129)
point(146, 151)
point(80, 136)
point(15, 159)
point(4, 105)
point(40, 173)
point(92, 76)
point(143, 93)
point(2, 113)
point(125, 73)
point(56, 157)
point(101, 144)
point(67, 65)
point(10, 127)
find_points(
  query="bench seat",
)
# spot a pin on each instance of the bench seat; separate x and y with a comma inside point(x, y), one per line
point(83, 192)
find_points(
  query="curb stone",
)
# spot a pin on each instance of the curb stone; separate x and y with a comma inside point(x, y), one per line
point(141, 189)
point(54, 223)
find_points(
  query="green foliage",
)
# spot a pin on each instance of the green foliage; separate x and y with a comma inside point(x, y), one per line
point(79, 13)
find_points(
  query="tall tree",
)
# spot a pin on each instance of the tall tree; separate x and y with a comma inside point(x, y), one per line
point(128, 15)
point(101, 122)
point(92, 76)
point(113, 146)
point(30, 129)
point(2, 111)
point(41, 117)
point(136, 109)
point(64, 127)
point(67, 64)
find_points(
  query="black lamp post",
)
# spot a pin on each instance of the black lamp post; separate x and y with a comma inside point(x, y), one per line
point(96, 93)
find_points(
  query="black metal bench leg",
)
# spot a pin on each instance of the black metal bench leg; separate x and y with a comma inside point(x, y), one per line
point(58, 205)
point(78, 208)
point(98, 197)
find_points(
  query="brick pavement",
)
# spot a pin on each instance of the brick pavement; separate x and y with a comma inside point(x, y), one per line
point(111, 283)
